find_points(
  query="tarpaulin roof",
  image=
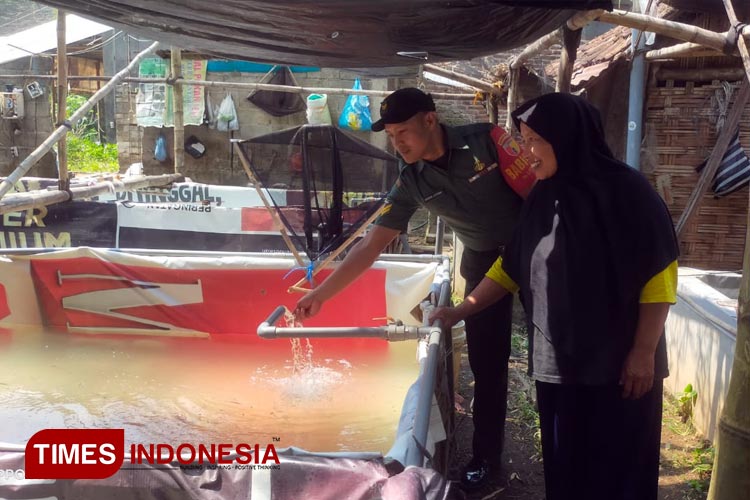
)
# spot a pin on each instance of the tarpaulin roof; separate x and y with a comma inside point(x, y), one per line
point(335, 33)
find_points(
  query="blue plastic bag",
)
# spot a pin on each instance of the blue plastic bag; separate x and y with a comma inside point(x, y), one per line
point(356, 113)
point(160, 150)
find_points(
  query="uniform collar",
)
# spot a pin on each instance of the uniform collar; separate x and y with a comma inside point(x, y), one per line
point(453, 139)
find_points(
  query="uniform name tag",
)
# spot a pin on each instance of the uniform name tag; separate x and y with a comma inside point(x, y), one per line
point(433, 196)
point(482, 172)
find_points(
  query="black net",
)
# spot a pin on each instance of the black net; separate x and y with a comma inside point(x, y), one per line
point(323, 182)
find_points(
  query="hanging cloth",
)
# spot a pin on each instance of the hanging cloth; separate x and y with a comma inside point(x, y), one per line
point(275, 102)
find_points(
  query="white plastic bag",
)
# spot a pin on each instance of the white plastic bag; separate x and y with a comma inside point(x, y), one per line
point(317, 110)
point(227, 115)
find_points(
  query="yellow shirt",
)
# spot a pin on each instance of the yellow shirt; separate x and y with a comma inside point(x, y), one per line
point(661, 288)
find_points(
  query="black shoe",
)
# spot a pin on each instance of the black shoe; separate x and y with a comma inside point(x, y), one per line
point(475, 474)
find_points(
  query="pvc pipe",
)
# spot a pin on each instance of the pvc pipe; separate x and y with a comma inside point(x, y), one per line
point(635, 103)
point(439, 233)
point(415, 454)
point(392, 333)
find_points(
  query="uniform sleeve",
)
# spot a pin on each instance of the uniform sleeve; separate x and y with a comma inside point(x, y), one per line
point(499, 276)
point(399, 207)
point(662, 287)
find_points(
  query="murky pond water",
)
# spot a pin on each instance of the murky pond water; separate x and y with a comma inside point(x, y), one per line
point(344, 396)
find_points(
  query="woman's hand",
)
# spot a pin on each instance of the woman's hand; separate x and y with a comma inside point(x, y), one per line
point(448, 315)
point(637, 376)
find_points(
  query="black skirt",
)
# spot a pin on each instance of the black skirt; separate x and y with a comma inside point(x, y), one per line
point(597, 445)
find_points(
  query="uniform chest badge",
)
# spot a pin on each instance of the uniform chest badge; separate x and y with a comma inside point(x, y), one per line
point(478, 165)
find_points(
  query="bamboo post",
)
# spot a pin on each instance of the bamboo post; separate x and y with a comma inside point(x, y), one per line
point(296, 287)
point(35, 199)
point(274, 216)
point(468, 80)
point(62, 97)
point(732, 460)
point(177, 108)
point(62, 130)
point(571, 40)
point(730, 476)
point(707, 175)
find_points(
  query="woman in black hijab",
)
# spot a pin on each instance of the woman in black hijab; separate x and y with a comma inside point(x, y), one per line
point(594, 260)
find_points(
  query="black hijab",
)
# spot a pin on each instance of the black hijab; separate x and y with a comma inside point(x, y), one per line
point(590, 237)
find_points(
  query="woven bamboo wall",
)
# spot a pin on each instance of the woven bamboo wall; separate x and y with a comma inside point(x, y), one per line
point(680, 133)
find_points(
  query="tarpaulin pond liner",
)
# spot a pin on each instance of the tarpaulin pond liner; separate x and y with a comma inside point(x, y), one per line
point(164, 346)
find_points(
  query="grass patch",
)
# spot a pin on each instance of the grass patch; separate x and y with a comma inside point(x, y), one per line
point(86, 151)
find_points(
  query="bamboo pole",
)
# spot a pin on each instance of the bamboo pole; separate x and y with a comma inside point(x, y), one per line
point(514, 76)
point(468, 80)
point(249, 86)
point(535, 48)
point(262, 195)
point(742, 45)
point(672, 29)
point(62, 130)
point(177, 108)
point(700, 75)
point(686, 49)
point(311, 90)
point(707, 175)
point(62, 97)
point(297, 288)
point(730, 476)
point(36, 199)
point(581, 19)
point(571, 40)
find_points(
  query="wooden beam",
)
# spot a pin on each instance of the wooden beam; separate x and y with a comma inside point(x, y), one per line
point(700, 75)
point(571, 40)
point(708, 173)
point(179, 126)
point(686, 49)
point(672, 29)
point(468, 80)
point(62, 98)
point(62, 130)
point(41, 198)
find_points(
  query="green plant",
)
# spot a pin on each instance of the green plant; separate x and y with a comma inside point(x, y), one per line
point(687, 401)
point(701, 463)
point(85, 151)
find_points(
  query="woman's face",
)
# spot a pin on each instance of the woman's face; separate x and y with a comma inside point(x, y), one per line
point(539, 152)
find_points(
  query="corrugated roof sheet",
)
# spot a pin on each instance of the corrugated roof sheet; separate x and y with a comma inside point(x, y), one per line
point(44, 37)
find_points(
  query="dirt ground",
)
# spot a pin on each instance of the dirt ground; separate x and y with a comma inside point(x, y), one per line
point(684, 461)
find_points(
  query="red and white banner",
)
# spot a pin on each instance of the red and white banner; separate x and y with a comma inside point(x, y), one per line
point(98, 291)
